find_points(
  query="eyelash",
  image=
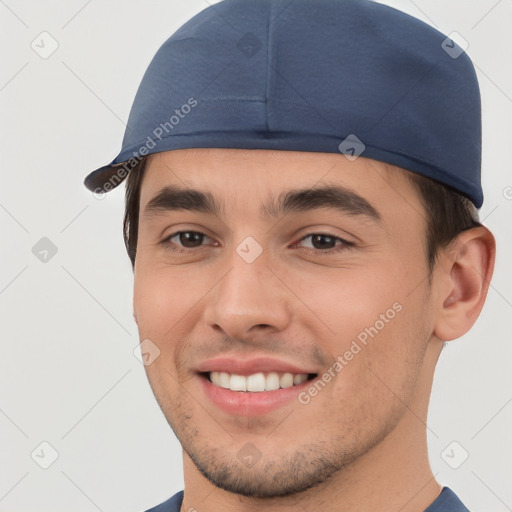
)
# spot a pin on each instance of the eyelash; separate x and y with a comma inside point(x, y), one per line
point(339, 248)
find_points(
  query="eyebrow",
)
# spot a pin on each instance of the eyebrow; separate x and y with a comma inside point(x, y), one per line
point(334, 197)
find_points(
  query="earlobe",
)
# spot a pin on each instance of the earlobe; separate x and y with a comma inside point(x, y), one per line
point(466, 269)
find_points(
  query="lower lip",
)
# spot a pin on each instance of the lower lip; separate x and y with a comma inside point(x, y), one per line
point(244, 403)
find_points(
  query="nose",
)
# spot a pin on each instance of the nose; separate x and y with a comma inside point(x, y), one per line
point(249, 298)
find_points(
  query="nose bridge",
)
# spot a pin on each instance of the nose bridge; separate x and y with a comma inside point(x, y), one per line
point(248, 294)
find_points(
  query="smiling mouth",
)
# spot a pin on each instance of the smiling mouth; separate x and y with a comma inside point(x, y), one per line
point(257, 382)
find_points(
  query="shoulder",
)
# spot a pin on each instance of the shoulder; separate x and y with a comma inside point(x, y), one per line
point(173, 504)
point(447, 501)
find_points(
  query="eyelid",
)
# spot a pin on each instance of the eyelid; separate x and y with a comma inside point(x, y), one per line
point(167, 239)
point(345, 244)
point(347, 238)
point(189, 228)
point(325, 233)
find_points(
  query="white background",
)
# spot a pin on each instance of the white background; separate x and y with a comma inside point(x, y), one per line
point(68, 375)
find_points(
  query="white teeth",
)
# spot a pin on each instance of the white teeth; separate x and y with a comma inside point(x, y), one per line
point(238, 383)
point(257, 382)
point(286, 380)
point(223, 379)
point(215, 378)
point(300, 378)
point(272, 382)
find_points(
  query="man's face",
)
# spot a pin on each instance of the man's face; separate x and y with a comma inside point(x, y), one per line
point(259, 290)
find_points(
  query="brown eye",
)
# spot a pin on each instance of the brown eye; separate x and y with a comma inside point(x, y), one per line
point(324, 243)
point(190, 238)
point(182, 241)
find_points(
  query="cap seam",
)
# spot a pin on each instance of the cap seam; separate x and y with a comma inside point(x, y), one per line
point(269, 24)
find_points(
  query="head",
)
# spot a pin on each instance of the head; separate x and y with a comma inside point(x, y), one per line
point(357, 285)
point(257, 230)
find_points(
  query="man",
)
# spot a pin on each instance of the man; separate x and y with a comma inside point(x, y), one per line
point(303, 181)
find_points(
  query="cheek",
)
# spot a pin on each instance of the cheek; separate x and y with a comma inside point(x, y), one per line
point(347, 301)
point(161, 308)
point(165, 301)
point(393, 346)
point(376, 377)
point(159, 299)
point(376, 321)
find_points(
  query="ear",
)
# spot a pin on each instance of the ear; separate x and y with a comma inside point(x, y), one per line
point(464, 271)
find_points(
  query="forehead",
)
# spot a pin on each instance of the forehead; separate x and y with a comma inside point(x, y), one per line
point(213, 166)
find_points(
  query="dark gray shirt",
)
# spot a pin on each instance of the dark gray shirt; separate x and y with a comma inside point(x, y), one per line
point(447, 501)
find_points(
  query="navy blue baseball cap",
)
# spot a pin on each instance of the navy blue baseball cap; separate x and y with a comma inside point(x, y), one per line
point(352, 77)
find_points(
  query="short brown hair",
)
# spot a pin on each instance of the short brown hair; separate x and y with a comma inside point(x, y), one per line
point(448, 213)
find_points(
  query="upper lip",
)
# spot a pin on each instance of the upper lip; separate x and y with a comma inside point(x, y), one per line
point(250, 366)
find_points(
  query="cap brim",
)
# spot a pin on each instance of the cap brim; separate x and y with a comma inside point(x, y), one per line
point(105, 178)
